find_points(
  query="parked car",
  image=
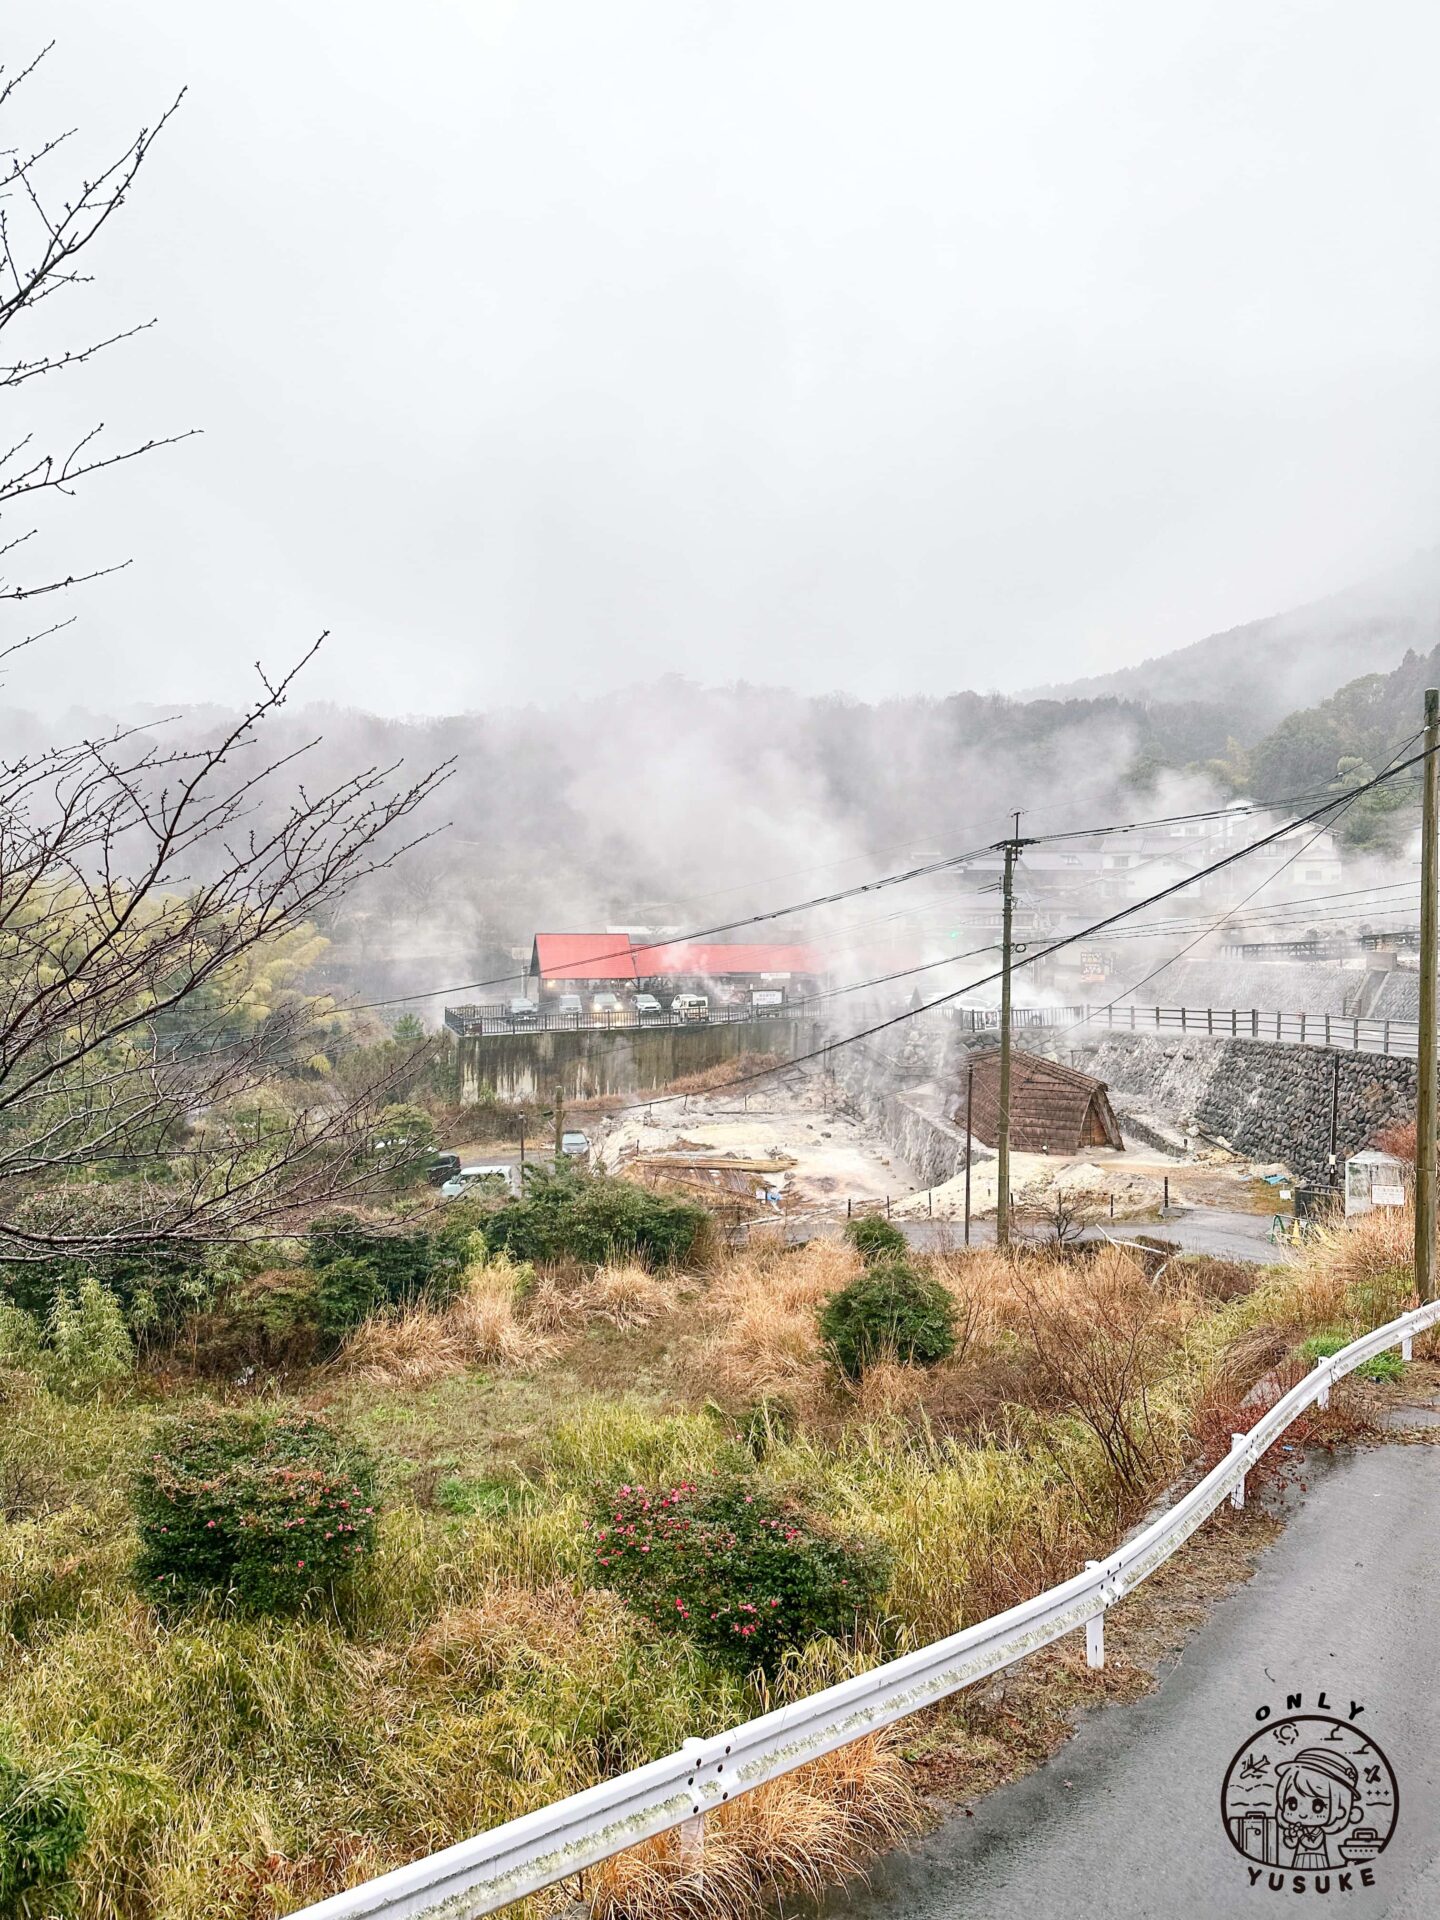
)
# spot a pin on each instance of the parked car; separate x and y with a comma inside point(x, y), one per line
point(691, 1006)
point(442, 1167)
point(606, 1003)
point(569, 1003)
point(575, 1146)
point(521, 1013)
point(503, 1179)
point(647, 1007)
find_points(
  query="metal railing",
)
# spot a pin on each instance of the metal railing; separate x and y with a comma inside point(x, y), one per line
point(486, 1873)
point(469, 1022)
point(1353, 1035)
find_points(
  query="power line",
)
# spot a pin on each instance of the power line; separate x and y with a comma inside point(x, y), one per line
point(1057, 946)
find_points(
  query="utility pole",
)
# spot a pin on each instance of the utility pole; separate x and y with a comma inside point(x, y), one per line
point(559, 1121)
point(1002, 1137)
point(1425, 1118)
point(969, 1141)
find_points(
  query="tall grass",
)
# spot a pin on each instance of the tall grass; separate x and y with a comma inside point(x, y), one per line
point(237, 1769)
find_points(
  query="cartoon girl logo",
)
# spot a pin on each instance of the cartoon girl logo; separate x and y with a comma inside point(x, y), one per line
point(1317, 1800)
point(1311, 1797)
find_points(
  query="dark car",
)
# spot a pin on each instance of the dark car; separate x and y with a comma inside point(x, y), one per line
point(442, 1167)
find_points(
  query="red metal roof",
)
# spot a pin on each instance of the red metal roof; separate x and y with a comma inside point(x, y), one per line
point(583, 956)
point(613, 956)
point(718, 962)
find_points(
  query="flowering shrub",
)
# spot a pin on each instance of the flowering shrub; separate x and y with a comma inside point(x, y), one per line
point(889, 1313)
point(268, 1507)
point(735, 1566)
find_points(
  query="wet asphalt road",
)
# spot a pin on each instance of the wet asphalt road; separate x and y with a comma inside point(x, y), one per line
point(1226, 1235)
point(1125, 1821)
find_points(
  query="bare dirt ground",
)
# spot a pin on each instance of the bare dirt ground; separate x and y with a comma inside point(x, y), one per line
point(820, 1159)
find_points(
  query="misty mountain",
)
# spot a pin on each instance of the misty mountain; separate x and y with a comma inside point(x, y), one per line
point(1252, 676)
point(1343, 741)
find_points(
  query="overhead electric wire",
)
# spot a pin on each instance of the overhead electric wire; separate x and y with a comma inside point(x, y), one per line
point(1165, 965)
point(1057, 946)
point(942, 864)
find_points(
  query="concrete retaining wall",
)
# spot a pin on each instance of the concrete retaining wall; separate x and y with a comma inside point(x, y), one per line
point(591, 1061)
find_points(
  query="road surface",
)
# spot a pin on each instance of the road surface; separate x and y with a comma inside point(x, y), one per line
point(1125, 1821)
point(1212, 1230)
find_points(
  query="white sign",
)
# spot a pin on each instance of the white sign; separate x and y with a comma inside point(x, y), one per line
point(760, 998)
point(1388, 1196)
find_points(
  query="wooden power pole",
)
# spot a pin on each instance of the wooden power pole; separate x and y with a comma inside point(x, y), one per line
point(1002, 1134)
point(1425, 1117)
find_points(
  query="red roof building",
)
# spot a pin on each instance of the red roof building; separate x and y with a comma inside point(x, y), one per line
point(614, 957)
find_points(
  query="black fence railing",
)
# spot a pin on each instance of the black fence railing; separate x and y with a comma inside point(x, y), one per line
point(470, 1022)
point(1400, 1038)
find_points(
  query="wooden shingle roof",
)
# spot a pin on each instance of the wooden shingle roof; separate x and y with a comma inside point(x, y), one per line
point(1053, 1109)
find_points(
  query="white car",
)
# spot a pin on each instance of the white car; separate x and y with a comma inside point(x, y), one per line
point(502, 1177)
point(647, 1007)
point(606, 1003)
point(691, 1006)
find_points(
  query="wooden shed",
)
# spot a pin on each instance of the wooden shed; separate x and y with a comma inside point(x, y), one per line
point(1053, 1109)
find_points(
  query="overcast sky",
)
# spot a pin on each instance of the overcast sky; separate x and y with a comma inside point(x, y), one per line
point(551, 345)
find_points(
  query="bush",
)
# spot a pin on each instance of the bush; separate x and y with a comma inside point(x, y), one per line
point(86, 1341)
point(347, 1291)
point(735, 1566)
point(156, 1284)
point(42, 1829)
point(597, 1220)
point(272, 1508)
point(362, 1265)
point(874, 1238)
point(1380, 1366)
point(889, 1312)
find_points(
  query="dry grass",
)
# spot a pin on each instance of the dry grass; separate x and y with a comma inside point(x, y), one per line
point(763, 1308)
point(414, 1347)
point(564, 1300)
point(725, 1072)
point(814, 1828)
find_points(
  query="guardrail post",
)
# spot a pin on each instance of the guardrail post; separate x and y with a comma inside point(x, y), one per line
point(1094, 1631)
point(1302, 1027)
point(692, 1831)
point(1322, 1399)
point(1254, 1023)
point(1357, 1036)
point(1237, 1497)
point(1407, 1347)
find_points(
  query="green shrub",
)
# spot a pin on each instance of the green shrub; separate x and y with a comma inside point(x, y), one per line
point(1380, 1366)
point(874, 1238)
point(42, 1830)
point(889, 1312)
point(383, 1265)
point(595, 1219)
point(271, 1508)
point(347, 1290)
point(735, 1566)
point(87, 1344)
point(156, 1284)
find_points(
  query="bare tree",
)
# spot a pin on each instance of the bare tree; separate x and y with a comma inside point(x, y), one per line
point(141, 884)
point(1063, 1218)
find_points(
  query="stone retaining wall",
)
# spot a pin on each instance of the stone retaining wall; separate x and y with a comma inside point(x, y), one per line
point(1266, 1101)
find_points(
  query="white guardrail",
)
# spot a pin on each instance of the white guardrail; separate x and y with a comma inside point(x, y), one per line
point(484, 1874)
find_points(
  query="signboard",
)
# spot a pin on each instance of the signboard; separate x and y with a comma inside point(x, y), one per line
point(760, 998)
point(1388, 1196)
